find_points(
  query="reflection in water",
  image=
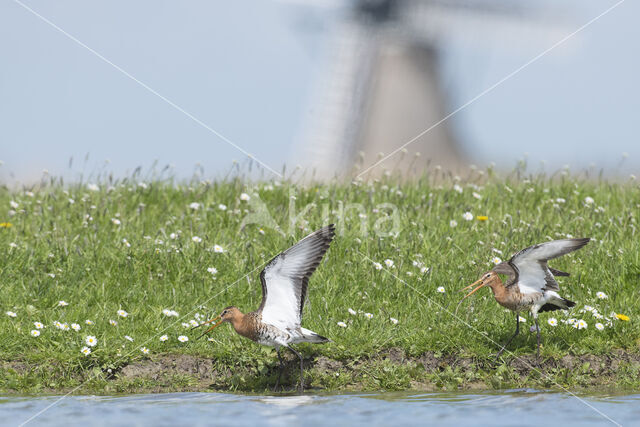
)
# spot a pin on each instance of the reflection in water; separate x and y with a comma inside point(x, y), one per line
point(521, 407)
point(287, 401)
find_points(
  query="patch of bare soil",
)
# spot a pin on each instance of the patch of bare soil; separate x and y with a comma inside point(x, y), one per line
point(159, 366)
point(202, 373)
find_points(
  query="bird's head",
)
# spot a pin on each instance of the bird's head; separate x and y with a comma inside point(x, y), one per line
point(490, 278)
point(229, 314)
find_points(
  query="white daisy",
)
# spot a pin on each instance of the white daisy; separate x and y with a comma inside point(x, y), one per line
point(441, 289)
point(393, 320)
point(212, 270)
point(218, 249)
point(38, 325)
point(11, 314)
point(599, 326)
point(35, 333)
point(122, 313)
point(602, 295)
point(467, 216)
point(342, 324)
point(196, 239)
point(580, 324)
point(377, 266)
point(164, 338)
point(86, 351)
point(368, 315)
point(62, 303)
point(453, 223)
point(244, 197)
point(552, 321)
point(351, 311)
point(144, 350)
point(170, 313)
point(75, 327)
point(183, 338)
point(91, 341)
point(388, 263)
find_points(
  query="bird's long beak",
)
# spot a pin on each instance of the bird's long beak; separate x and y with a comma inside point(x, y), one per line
point(481, 284)
point(211, 328)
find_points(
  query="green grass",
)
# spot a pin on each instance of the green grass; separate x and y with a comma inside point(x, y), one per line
point(97, 273)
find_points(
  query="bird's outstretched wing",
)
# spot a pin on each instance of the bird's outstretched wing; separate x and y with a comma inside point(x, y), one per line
point(534, 275)
point(285, 278)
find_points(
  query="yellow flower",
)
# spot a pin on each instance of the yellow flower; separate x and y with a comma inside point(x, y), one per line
point(5, 225)
point(623, 317)
point(482, 217)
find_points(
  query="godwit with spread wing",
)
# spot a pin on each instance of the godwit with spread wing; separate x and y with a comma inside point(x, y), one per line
point(284, 289)
point(530, 282)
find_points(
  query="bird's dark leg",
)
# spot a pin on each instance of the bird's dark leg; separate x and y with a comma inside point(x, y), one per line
point(538, 336)
point(280, 369)
point(512, 337)
point(301, 368)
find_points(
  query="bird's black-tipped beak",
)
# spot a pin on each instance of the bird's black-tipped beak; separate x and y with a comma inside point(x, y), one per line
point(480, 284)
point(211, 328)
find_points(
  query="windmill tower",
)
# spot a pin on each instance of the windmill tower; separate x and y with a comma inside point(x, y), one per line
point(382, 86)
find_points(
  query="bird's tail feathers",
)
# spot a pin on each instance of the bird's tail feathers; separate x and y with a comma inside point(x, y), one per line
point(312, 337)
point(557, 304)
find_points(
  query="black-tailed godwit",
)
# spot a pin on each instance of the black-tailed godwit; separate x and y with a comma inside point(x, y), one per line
point(530, 282)
point(277, 322)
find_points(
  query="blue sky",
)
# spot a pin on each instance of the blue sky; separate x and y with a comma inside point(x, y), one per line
point(247, 68)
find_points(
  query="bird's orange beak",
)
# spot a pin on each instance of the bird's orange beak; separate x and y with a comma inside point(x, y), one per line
point(481, 284)
point(211, 328)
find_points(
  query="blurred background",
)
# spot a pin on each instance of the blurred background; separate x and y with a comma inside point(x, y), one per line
point(321, 85)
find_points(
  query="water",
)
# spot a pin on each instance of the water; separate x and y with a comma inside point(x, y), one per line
point(517, 407)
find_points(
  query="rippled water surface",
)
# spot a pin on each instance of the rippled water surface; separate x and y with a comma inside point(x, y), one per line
point(517, 407)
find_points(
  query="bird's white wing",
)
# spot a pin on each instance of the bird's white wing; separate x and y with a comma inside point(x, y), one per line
point(285, 278)
point(531, 266)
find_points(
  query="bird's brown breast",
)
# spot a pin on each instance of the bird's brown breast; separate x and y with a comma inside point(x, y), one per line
point(248, 326)
point(515, 300)
point(510, 296)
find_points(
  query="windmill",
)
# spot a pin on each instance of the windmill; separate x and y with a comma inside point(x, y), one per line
point(382, 85)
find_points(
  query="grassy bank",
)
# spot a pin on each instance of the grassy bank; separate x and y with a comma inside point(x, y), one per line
point(133, 263)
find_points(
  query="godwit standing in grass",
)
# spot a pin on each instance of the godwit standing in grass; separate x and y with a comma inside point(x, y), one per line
point(284, 289)
point(530, 282)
